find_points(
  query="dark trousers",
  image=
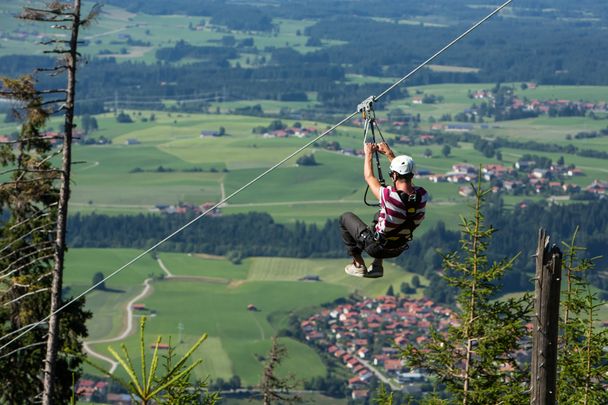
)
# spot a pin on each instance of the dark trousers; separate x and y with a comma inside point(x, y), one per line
point(359, 237)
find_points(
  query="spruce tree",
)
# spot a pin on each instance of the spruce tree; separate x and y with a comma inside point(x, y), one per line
point(582, 358)
point(475, 359)
point(275, 389)
point(29, 197)
point(39, 192)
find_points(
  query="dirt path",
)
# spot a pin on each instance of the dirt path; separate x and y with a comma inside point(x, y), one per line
point(129, 307)
point(165, 269)
point(126, 332)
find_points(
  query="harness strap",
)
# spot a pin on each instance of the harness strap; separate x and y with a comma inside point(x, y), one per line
point(411, 204)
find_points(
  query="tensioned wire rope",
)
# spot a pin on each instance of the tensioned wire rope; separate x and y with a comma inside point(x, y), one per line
point(25, 329)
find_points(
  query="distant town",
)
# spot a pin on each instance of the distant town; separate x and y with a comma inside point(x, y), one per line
point(365, 336)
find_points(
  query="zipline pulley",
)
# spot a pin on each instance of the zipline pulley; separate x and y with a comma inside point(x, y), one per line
point(366, 108)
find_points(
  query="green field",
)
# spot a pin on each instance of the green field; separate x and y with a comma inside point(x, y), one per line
point(107, 37)
point(210, 295)
point(106, 182)
point(107, 306)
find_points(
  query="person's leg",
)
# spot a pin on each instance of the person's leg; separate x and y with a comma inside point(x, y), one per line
point(375, 270)
point(351, 227)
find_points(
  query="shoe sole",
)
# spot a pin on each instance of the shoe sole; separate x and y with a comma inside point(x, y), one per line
point(361, 275)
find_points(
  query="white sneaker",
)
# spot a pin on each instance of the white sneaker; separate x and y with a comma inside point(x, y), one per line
point(354, 270)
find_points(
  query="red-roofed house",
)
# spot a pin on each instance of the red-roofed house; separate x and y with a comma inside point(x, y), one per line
point(360, 394)
point(392, 365)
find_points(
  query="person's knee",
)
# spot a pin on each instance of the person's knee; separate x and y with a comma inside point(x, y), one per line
point(345, 217)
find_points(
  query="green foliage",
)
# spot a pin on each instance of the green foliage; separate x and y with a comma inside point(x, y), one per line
point(98, 278)
point(28, 198)
point(446, 150)
point(582, 358)
point(416, 282)
point(383, 397)
point(124, 118)
point(184, 391)
point(470, 358)
point(274, 388)
point(307, 160)
point(173, 385)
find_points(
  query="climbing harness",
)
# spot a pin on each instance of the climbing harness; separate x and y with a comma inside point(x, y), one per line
point(366, 108)
point(368, 102)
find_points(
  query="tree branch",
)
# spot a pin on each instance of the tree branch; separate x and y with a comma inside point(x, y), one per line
point(19, 181)
point(42, 214)
point(40, 228)
point(25, 295)
point(22, 348)
point(24, 266)
point(31, 171)
point(61, 100)
point(34, 253)
point(25, 248)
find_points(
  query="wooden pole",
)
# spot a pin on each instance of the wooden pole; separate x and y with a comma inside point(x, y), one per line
point(546, 322)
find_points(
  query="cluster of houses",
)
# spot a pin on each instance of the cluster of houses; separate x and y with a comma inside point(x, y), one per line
point(546, 106)
point(90, 390)
point(289, 132)
point(347, 332)
point(186, 208)
point(523, 178)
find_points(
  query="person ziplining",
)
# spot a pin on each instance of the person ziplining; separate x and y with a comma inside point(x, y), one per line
point(402, 209)
point(401, 205)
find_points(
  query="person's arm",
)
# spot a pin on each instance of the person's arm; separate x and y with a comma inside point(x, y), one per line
point(368, 171)
point(386, 151)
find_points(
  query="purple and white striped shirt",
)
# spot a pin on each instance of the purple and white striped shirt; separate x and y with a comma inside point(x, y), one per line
point(393, 212)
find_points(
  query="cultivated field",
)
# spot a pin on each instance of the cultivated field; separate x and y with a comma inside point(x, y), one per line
point(210, 295)
point(122, 178)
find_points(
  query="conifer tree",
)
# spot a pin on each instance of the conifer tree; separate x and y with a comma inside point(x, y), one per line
point(275, 389)
point(582, 358)
point(29, 196)
point(33, 191)
point(475, 359)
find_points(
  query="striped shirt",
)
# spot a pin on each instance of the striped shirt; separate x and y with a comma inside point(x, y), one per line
point(393, 211)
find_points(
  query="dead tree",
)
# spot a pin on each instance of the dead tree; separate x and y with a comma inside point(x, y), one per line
point(272, 387)
point(546, 322)
point(66, 17)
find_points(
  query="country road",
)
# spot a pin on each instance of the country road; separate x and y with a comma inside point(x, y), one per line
point(394, 386)
point(129, 307)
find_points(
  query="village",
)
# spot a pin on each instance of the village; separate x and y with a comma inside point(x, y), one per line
point(366, 337)
point(503, 104)
point(363, 336)
point(525, 178)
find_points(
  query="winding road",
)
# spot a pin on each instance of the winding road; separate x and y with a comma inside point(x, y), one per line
point(128, 330)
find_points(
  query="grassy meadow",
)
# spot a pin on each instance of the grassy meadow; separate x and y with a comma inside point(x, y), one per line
point(120, 178)
point(208, 294)
point(108, 37)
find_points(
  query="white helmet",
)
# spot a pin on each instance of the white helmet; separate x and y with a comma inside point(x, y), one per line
point(402, 164)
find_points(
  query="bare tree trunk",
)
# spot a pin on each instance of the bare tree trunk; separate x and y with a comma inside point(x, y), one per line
point(62, 211)
point(546, 322)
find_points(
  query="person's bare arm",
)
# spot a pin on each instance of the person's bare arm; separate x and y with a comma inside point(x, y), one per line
point(368, 171)
point(386, 151)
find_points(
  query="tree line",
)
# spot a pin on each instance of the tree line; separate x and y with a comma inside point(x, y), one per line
point(256, 234)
